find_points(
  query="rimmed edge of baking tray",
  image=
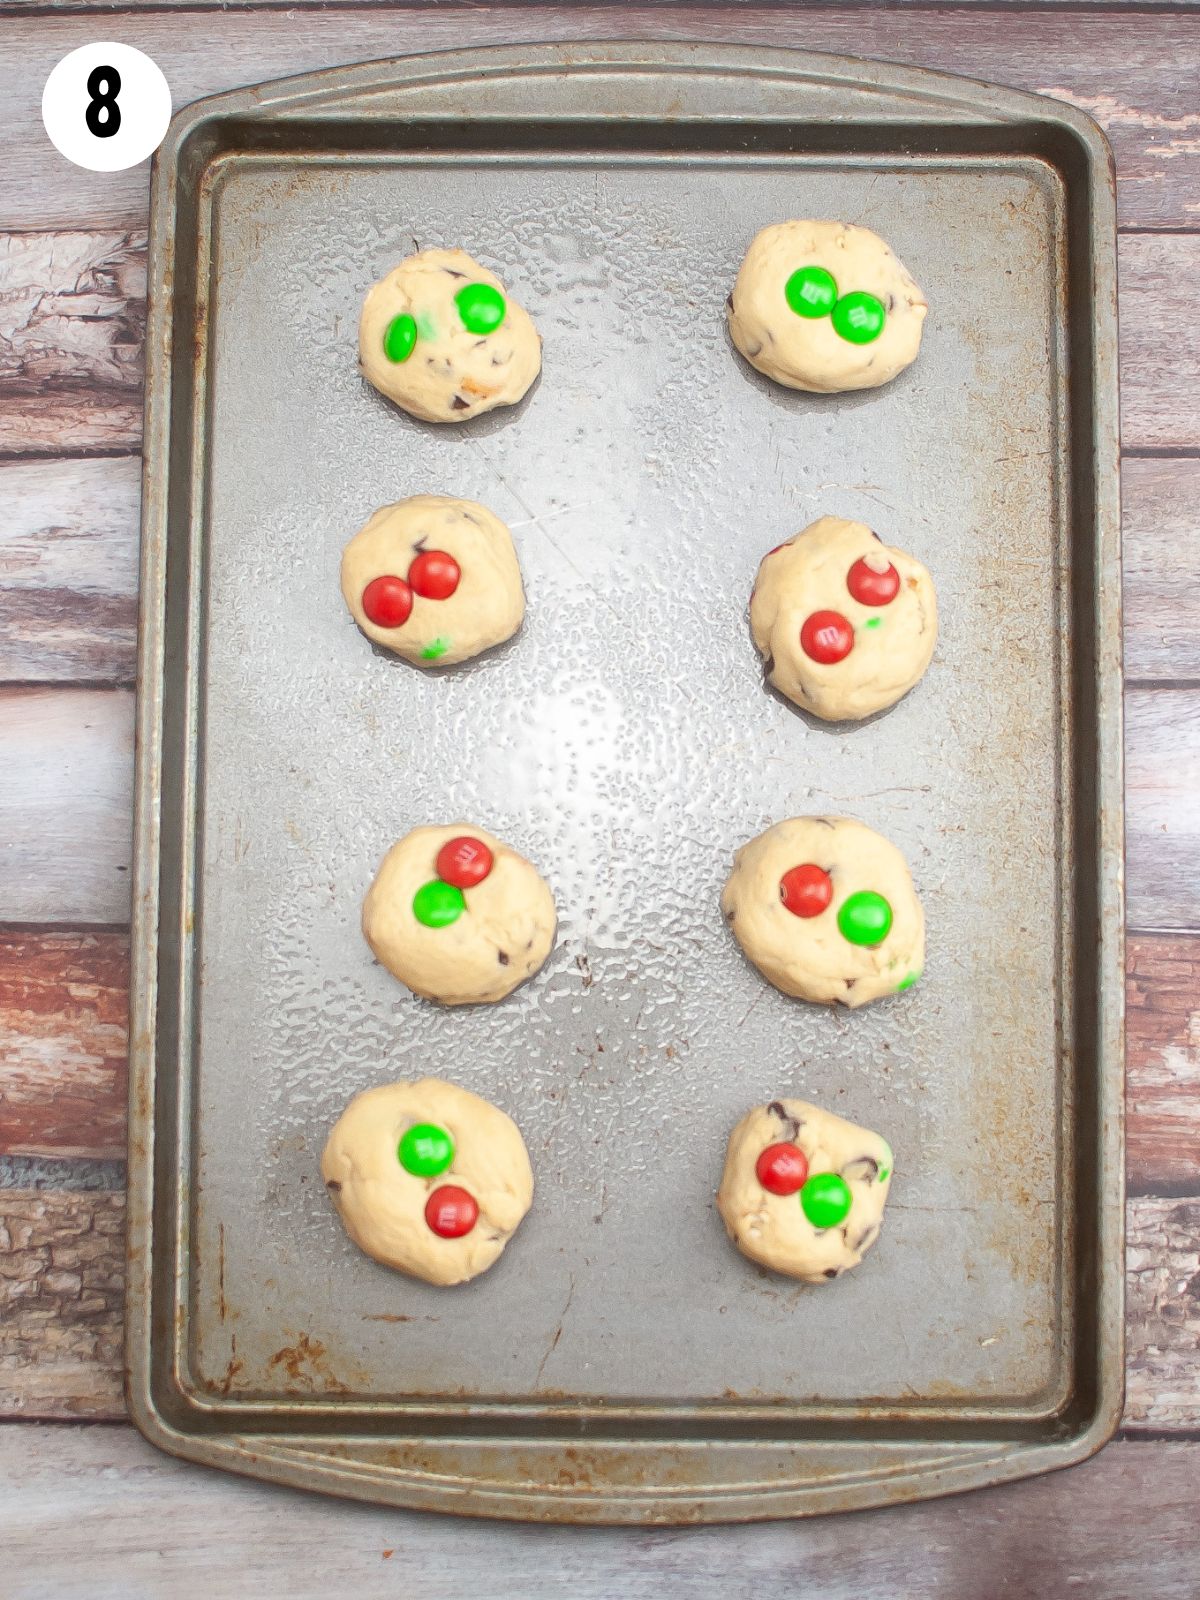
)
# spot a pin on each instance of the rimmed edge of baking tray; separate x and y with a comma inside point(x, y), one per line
point(588, 1464)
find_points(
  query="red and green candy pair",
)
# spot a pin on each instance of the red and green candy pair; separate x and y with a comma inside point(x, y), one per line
point(825, 1197)
point(462, 863)
point(426, 1151)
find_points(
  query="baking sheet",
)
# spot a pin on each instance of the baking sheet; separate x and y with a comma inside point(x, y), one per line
point(625, 742)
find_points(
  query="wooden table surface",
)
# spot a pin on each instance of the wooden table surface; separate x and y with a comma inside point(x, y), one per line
point(90, 1509)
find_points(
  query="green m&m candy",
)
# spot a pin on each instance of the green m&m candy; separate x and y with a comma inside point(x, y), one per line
point(481, 307)
point(400, 337)
point(811, 292)
point(425, 1150)
point(825, 1199)
point(438, 904)
point(859, 317)
point(865, 918)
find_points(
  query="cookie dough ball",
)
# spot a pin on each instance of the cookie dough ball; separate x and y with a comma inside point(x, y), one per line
point(428, 1178)
point(803, 1191)
point(458, 916)
point(825, 306)
point(826, 910)
point(434, 579)
point(845, 624)
point(441, 336)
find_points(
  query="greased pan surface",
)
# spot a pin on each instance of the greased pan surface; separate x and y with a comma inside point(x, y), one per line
point(623, 1362)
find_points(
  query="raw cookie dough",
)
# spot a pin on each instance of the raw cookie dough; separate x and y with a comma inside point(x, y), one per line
point(803, 1191)
point(428, 1178)
point(845, 624)
point(826, 910)
point(434, 579)
point(458, 916)
point(442, 337)
point(825, 306)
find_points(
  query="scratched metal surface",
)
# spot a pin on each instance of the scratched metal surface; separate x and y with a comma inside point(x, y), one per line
point(625, 742)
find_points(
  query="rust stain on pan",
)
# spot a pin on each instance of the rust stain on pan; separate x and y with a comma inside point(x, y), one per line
point(306, 1366)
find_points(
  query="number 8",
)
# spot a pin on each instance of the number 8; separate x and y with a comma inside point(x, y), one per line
point(103, 127)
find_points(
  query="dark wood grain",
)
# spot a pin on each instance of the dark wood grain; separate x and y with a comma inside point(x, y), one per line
point(1132, 70)
point(64, 1006)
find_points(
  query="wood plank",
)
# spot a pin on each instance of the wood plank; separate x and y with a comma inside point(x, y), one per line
point(1163, 1313)
point(64, 1002)
point(1162, 798)
point(61, 1265)
point(72, 314)
point(1162, 598)
point(68, 569)
point(733, 9)
point(64, 1006)
point(1133, 71)
point(72, 321)
point(98, 1514)
point(66, 766)
point(62, 1290)
point(1162, 1035)
point(65, 782)
point(1160, 406)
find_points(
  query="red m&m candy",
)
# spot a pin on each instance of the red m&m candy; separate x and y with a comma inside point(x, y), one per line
point(434, 575)
point(806, 890)
point(451, 1212)
point(387, 602)
point(464, 862)
point(827, 637)
point(782, 1168)
point(872, 588)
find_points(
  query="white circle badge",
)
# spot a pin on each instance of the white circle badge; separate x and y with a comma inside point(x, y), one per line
point(106, 107)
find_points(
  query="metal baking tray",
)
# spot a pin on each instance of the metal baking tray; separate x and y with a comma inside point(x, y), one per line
point(622, 1362)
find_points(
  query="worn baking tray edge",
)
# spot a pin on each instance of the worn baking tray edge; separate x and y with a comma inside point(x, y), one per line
point(605, 1475)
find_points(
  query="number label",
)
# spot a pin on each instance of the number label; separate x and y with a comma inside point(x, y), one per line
point(106, 106)
point(103, 114)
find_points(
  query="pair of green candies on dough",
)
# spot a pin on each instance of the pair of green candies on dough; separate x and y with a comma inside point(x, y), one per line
point(825, 307)
point(858, 317)
point(480, 308)
point(443, 338)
